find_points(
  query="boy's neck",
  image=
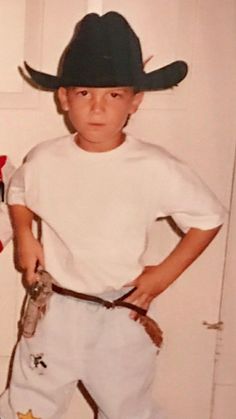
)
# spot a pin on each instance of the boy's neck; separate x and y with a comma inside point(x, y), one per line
point(99, 147)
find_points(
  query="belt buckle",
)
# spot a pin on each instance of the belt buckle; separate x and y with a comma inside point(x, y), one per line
point(109, 304)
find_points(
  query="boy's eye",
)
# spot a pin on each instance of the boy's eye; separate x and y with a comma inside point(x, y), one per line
point(81, 92)
point(115, 94)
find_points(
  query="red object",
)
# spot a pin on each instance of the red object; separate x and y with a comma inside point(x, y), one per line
point(1, 246)
point(3, 160)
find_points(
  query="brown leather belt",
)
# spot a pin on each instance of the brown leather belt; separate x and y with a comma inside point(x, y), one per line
point(106, 303)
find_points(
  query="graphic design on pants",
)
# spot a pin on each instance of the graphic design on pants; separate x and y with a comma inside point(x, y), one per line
point(28, 415)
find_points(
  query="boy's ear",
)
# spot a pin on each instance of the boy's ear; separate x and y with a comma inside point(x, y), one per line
point(63, 98)
point(137, 99)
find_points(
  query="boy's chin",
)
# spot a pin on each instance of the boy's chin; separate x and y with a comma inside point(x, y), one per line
point(103, 142)
point(99, 135)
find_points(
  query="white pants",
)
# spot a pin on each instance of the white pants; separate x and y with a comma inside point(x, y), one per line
point(78, 340)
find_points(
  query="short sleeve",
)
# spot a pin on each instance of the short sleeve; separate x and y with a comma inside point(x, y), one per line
point(16, 189)
point(5, 227)
point(188, 200)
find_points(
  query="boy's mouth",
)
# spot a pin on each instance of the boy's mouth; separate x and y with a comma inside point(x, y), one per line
point(96, 124)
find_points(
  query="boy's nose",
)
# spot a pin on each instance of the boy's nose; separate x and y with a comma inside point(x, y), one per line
point(97, 104)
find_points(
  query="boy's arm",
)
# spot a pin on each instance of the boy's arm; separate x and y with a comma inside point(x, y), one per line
point(28, 249)
point(155, 279)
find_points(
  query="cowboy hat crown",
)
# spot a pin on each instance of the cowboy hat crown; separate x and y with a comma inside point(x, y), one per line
point(105, 52)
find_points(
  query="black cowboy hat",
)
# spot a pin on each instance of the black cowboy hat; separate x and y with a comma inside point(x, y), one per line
point(105, 52)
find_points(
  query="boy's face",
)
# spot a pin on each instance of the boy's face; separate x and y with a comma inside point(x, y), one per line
point(99, 114)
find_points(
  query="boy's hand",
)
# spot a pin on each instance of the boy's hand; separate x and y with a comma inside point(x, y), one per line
point(29, 252)
point(149, 285)
point(155, 279)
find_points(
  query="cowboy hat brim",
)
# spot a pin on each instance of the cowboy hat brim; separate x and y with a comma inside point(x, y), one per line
point(165, 77)
point(161, 79)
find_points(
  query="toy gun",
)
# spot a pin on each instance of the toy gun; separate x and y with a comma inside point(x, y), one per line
point(37, 301)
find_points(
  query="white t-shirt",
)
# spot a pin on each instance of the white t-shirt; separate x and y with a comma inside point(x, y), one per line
point(97, 208)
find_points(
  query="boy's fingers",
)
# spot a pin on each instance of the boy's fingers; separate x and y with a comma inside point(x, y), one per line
point(140, 300)
point(137, 296)
point(133, 315)
point(41, 260)
point(30, 275)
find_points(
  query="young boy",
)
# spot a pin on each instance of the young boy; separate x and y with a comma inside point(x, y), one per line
point(97, 193)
